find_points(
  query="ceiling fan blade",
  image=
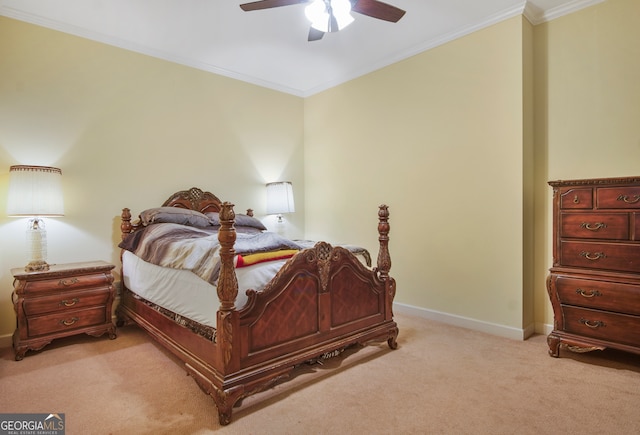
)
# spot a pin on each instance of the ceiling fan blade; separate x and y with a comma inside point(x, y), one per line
point(267, 4)
point(333, 23)
point(315, 34)
point(377, 9)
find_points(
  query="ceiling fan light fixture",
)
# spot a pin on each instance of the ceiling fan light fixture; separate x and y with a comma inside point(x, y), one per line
point(320, 13)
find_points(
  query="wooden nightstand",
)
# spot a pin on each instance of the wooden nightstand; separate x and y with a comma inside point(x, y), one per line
point(65, 300)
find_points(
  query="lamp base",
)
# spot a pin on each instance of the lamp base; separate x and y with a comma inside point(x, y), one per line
point(36, 246)
point(36, 266)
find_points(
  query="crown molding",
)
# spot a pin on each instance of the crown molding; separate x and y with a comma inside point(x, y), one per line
point(141, 49)
point(536, 16)
point(527, 8)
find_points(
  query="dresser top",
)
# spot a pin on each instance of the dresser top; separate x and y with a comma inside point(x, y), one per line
point(596, 181)
point(67, 269)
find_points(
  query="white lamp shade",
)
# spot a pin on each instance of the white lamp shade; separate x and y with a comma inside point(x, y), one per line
point(280, 198)
point(35, 191)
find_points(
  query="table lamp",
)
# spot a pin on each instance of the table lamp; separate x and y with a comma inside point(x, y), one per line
point(280, 198)
point(35, 192)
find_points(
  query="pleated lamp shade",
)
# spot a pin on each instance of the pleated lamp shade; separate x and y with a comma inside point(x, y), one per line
point(35, 191)
point(280, 198)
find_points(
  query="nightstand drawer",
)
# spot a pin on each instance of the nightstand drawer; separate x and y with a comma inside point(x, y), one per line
point(621, 328)
point(595, 225)
point(67, 283)
point(623, 257)
point(67, 301)
point(603, 295)
point(66, 321)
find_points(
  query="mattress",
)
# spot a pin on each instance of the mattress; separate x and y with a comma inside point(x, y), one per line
point(186, 294)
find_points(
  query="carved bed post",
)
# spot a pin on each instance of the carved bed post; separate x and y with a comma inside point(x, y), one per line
point(384, 259)
point(227, 282)
point(125, 227)
point(384, 266)
point(125, 224)
point(227, 291)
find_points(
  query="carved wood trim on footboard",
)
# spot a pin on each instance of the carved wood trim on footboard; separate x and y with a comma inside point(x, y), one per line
point(321, 295)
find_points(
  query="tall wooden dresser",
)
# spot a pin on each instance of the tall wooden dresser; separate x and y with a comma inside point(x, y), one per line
point(594, 284)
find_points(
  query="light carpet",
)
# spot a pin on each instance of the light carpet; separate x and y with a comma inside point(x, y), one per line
point(441, 380)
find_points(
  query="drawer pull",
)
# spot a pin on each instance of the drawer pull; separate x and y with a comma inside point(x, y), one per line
point(593, 257)
point(595, 227)
point(69, 322)
point(588, 293)
point(68, 282)
point(576, 199)
point(67, 303)
point(626, 199)
point(595, 324)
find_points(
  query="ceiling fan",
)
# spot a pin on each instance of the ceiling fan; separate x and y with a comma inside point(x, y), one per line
point(332, 15)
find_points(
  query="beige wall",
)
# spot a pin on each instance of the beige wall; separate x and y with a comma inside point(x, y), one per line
point(128, 130)
point(587, 70)
point(459, 141)
point(439, 138)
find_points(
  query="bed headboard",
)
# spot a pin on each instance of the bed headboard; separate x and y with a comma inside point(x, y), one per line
point(194, 199)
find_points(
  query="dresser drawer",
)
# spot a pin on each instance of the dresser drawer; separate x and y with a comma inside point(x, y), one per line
point(595, 225)
point(68, 283)
point(67, 320)
point(618, 197)
point(624, 257)
point(603, 295)
point(579, 198)
point(621, 328)
point(66, 301)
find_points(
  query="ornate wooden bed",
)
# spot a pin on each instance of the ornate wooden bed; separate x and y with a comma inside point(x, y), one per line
point(321, 301)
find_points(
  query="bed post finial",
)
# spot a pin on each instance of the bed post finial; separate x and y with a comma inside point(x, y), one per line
point(125, 223)
point(384, 259)
point(227, 282)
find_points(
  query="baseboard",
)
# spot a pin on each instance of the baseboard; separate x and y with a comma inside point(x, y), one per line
point(450, 319)
point(466, 322)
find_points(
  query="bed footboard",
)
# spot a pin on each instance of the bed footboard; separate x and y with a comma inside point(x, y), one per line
point(322, 301)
